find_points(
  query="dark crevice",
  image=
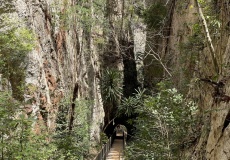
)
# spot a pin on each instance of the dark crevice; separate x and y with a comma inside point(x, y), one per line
point(44, 114)
point(130, 83)
point(17, 80)
point(119, 120)
point(130, 70)
point(226, 122)
point(72, 109)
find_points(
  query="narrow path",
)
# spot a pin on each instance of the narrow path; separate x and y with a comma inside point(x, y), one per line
point(116, 151)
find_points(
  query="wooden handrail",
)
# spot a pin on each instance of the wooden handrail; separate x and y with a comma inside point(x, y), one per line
point(123, 140)
point(109, 123)
point(106, 148)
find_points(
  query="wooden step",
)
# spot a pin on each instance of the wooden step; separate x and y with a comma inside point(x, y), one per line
point(116, 151)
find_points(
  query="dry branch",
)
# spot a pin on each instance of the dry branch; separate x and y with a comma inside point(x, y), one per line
point(208, 37)
point(158, 58)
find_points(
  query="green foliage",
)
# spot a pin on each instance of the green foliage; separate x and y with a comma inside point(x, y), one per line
point(111, 89)
point(195, 43)
point(155, 15)
point(111, 85)
point(211, 13)
point(162, 125)
point(128, 104)
point(190, 52)
point(81, 13)
point(15, 43)
point(182, 6)
point(17, 140)
point(103, 138)
point(6, 6)
point(73, 144)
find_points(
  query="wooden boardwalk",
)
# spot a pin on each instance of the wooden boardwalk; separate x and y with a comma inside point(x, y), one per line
point(116, 151)
point(113, 149)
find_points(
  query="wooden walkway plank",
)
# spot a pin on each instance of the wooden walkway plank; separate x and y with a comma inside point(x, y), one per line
point(116, 151)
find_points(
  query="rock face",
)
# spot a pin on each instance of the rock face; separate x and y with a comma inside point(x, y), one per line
point(184, 49)
point(213, 142)
point(64, 63)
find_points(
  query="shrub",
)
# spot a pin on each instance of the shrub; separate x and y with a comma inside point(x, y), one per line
point(163, 123)
point(18, 141)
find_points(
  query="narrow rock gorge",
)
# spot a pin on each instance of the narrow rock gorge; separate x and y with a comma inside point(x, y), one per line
point(101, 54)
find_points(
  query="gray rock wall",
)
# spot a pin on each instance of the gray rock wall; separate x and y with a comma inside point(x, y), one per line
point(213, 143)
point(60, 61)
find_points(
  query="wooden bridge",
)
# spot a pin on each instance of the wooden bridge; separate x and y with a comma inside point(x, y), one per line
point(113, 149)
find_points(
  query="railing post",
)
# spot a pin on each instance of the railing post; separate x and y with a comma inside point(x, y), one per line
point(106, 148)
point(124, 139)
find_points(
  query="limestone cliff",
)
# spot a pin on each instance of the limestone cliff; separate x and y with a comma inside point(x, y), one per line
point(64, 63)
point(214, 139)
point(186, 53)
point(74, 44)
